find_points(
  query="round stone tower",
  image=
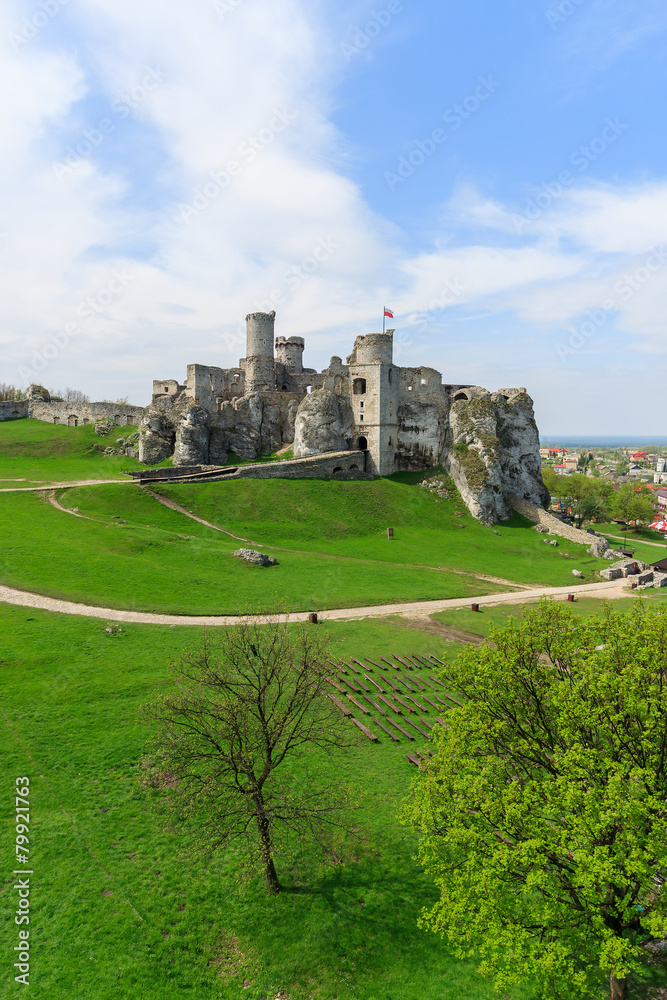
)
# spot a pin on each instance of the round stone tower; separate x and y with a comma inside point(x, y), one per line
point(289, 352)
point(374, 349)
point(260, 372)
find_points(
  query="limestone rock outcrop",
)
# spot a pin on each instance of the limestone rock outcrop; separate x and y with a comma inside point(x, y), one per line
point(191, 437)
point(492, 451)
point(421, 435)
point(248, 426)
point(158, 435)
point(324, 422)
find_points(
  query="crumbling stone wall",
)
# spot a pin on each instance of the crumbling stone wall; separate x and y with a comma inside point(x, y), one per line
point(14, 409)
point(555, 527)
point(75, 414)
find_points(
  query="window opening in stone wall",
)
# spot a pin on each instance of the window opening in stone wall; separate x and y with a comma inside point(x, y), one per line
point(359, 386)
point(390, 375)
point(362, 444)
point(361, 404)
point(409, 388)
point(361, 416)
point(284, 388)
point(308, 388)
point(390, 442)
point(73, 421)
point(424, 381)
point(460, 395)
point(117, 418)
point(338, 468)
point(166, 388)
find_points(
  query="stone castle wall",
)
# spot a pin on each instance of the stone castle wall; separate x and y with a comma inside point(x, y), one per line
point(342, 464)
point(546, 520)
point(14, 409)
point(75, 414)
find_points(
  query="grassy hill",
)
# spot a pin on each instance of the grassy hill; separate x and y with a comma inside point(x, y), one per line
point(126, 550)
point(36, 452)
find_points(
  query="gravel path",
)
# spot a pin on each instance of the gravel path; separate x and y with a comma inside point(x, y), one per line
point(9, 595)
point(61, 486)
point(637, 541)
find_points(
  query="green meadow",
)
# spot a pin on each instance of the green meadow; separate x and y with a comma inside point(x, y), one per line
point(34, 452)
point(118, 909)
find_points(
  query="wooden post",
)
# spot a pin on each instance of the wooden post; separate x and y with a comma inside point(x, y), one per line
point(312, 618)
point(390, 532)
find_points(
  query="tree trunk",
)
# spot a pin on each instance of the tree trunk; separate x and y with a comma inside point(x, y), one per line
point(618, 988)
point(270, 874)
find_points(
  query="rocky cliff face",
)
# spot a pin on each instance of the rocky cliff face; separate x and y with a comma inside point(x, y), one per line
point(324, 422)
point(248, 426)
point(492, 450)
point(422, 429)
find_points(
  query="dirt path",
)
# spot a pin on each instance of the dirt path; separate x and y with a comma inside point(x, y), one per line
point(637, 541)
point(181, 510)
point(61, 486)
point(9, 595)
point(53, 500)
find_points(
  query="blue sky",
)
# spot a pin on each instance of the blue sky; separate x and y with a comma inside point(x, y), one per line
point(494, 172)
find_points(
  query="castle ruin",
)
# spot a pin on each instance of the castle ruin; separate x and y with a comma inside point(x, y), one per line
point(399, 418)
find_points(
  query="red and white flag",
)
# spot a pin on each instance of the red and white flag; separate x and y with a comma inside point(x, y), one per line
point(388, 313)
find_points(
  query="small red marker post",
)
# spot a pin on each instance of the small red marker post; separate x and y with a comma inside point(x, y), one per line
point(570, 598)
point(312, 618)
point(475, 607)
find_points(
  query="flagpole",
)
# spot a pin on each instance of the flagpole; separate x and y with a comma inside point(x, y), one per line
point(384, 318)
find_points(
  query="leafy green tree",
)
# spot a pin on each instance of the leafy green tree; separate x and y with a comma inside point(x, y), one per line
point(248, 705)
point(542, 813)
point(584, 496)
point(633, 503)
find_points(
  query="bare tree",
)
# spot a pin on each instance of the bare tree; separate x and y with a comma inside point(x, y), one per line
point(11, 393)
point(251, 702)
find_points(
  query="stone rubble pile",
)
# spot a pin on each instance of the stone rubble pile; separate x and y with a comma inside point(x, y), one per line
point(258, 558)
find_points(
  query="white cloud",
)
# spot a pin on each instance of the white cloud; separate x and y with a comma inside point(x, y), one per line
point(218, 82)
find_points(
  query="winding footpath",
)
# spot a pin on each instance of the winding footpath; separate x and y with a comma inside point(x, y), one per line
point(8, 595)
point(523, 594)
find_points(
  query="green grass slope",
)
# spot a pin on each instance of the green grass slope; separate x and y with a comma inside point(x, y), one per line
point(137, 554)
point(129, 551)
point(351, 518)
point(36, 452)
